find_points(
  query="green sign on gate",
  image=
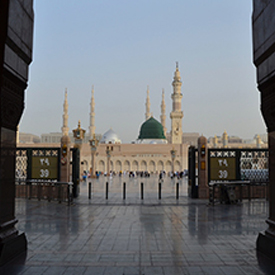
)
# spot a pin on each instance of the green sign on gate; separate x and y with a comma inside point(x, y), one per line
point(223, 168)
point(44, 167)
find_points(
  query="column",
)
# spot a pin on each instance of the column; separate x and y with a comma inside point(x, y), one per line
point(264, 57)
point(16, 17)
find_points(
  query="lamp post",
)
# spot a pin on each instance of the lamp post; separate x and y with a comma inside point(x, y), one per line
point(79, 135)
point(173, 156)
point(93, 144)
point(108, 153)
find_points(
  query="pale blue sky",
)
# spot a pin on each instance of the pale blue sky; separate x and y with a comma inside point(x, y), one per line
point(122, 46)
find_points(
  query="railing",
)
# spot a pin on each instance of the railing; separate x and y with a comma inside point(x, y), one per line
point(123, 191)
point(235, 191)
point(44, 190)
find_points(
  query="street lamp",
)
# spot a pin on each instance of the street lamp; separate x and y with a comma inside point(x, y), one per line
point(93, 144)
point(108, 153)
point(79, 135)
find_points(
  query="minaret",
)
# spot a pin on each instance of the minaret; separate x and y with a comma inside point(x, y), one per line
point(225, 140)
point(176, 115)
point(148, 105)
point(215, 141)
point(65, 128)
point(258, 141)
point(163, 115)
point(92, 115)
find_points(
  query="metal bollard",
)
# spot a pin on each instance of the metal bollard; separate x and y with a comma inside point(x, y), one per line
point(141, 190)
point(69, 197)
point(59, 193)
point(177, 191)
point(124, 190)
point(30, 191)
point(159, 190)
point(107, 190)
point(90, 189)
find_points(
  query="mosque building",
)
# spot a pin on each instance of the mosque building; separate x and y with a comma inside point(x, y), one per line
point(155, 148)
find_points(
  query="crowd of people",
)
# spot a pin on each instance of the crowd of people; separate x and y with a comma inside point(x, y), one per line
point(134, 174)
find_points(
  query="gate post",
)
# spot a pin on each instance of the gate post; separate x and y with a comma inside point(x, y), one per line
point(192, 188)
point(203, 188)
point(65, 159)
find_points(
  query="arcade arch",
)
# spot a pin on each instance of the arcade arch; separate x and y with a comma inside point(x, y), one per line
point(143, 165)
point(152, 166)
point(85, 165)
point(168, 166)
point(135, 165)
point(126, 165)
point(160, 165)
point(118, 166)
point(101, 166)
point(177, 166)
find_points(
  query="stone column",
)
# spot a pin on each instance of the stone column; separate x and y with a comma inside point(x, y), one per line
point(173, 156)
point(65, 171)
point(108, 154)
point(264, 59)
point(93, 144)
point(16, 30)
point(203, 189)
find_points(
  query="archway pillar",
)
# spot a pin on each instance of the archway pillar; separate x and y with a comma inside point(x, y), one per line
point(16, 29)
point(264, 59)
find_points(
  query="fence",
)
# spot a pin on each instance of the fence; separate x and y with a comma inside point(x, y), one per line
point(135, 190)
point(44, 190)
point(236, 174)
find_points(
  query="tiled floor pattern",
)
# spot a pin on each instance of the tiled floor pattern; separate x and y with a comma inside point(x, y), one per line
point(140, 237)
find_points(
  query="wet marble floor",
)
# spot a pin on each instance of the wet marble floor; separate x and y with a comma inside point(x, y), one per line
point(134, 236)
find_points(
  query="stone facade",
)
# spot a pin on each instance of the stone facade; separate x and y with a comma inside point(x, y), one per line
point(264, 60)
point(137, 157)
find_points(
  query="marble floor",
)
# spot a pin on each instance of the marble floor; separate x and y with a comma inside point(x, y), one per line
point(135, 236)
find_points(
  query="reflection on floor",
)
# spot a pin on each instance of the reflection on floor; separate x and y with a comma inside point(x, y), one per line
point(135, 236)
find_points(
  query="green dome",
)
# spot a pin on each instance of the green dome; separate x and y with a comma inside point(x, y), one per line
point(151, 129)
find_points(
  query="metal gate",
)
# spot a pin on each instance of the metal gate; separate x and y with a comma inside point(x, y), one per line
point(238, 165)
point(75, 170)
point(37, 163)
point(235, 174)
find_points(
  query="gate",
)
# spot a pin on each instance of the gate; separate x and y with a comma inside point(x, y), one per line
point(238, 165)
point(37, 175)
point(238, 174)
point(37, 163)
point(75, 170)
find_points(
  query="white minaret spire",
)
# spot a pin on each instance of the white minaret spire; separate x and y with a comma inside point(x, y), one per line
point(176, 115)
point(65, 128)
point(92, 115)
point(163, 115)
point(148, 105)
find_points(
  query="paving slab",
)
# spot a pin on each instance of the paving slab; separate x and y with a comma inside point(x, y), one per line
point(134, 236)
